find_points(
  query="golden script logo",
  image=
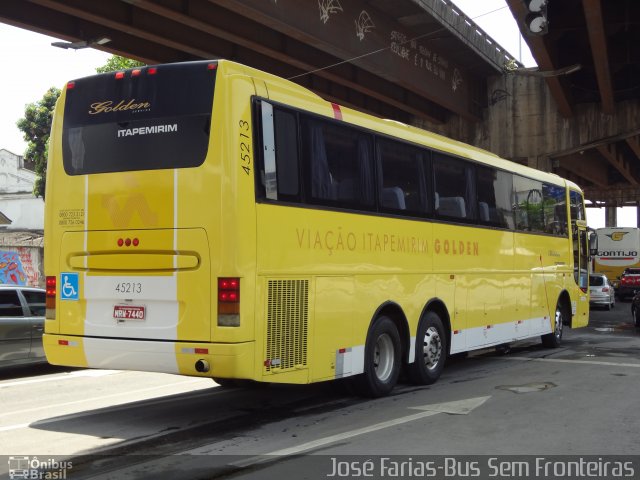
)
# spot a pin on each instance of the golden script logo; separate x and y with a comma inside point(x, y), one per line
point(108, 106)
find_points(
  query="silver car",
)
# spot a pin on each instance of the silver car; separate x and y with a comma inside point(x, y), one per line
point(601, 291)
point(22, 312)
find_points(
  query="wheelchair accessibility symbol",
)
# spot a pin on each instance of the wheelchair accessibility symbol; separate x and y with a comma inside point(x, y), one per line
point(69, 288)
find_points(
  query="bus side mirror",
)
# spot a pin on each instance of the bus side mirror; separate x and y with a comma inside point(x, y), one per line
point(593, 243)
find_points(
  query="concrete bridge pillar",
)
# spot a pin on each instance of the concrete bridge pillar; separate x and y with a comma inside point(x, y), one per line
point(610, 217)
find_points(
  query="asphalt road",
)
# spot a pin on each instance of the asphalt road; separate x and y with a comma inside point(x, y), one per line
point(580, 399)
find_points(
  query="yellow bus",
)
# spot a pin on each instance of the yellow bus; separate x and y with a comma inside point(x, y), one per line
point(210, 219)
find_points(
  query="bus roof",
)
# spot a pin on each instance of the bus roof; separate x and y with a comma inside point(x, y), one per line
point(396, 128)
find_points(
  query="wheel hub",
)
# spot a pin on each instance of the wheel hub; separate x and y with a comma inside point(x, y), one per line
point(383, 357)
point(432, 348)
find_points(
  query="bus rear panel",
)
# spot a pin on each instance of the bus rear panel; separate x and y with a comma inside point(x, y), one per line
point(134, 213)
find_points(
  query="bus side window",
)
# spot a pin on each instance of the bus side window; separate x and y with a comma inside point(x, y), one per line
point(494, 197)
point(555, 209)
point(455, 189)
point(403, 181)
point(528, 204)
point(338, 164)
point(577, 206)
point(286, 140)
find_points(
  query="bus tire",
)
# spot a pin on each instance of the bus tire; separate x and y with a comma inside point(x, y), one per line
point(431, 351)
point(553, 339)
point(382, 355)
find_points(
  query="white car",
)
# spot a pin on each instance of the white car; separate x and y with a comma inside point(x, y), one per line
point(601, 291)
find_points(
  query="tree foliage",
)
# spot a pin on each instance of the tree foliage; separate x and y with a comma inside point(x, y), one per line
point(116, 63)
point(36, 127)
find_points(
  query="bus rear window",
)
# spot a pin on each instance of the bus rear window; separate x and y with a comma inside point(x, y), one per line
point(142, 119)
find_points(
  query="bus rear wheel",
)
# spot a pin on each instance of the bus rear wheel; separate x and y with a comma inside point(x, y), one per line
point(381, 359)
point(553, 339)
point(431, 351)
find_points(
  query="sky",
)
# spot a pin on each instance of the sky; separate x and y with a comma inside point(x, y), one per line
point(31, 66)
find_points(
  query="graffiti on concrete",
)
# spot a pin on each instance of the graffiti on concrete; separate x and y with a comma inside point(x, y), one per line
point(11, 269)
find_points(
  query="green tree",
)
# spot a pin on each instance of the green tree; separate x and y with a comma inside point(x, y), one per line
point(116, 62)
point(36, 127)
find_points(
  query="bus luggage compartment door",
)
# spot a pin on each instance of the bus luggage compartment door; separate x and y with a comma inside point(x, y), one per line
point(136, 284)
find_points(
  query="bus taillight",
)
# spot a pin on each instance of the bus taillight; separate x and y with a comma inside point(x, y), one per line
point(50, 302)
point(229, 302)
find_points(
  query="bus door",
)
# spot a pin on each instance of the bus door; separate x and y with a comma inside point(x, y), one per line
point(581, 275)
point(580, 245)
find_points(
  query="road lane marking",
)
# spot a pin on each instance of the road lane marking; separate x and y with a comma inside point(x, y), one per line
point(578, 362)
point(459, 407)
point(13, 427)
point(64, 376)
point(107, 409)
point(113, 395)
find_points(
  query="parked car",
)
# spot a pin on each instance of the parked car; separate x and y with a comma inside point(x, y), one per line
point(601, 291)
point(22, 312)
point(629, 283)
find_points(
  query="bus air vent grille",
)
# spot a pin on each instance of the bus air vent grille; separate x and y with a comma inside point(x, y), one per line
point(287, 325)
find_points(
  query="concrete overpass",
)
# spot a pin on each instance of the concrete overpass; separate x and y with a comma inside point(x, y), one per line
point(418, 61)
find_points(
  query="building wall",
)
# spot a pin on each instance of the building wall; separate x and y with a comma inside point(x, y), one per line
point(17, 201)
point(14, 178)
point(21, 241)
point(25, 211)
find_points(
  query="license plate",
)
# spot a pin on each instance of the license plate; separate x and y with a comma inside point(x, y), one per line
point(129, 312)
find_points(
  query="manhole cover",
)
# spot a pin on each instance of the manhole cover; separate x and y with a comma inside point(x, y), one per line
point(527, 388)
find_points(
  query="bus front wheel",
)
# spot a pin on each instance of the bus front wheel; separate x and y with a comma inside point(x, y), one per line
point(553, 339)
point(381, 359)
point(431, 351)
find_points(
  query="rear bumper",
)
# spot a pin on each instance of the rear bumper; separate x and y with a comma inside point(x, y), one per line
point(600, 300)
point(226, 360)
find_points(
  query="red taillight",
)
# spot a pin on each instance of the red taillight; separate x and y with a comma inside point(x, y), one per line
point(152, 71)
point(119, 75)
point(136, 72)
point(212, 66)
point(71, 85)
point(228, 296)
point(51, 287)
point(229, 290)
point(605, 289)
point(50, 297)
